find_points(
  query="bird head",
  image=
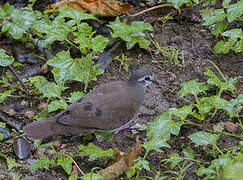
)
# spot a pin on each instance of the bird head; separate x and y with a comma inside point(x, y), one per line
point(142, 77)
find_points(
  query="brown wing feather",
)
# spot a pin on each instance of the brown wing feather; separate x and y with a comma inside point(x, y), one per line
point(104, 109)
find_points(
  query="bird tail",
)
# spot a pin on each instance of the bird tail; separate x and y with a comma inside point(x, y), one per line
point(41, 129)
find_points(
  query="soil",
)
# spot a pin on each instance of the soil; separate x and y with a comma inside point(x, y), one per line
point(196, 45)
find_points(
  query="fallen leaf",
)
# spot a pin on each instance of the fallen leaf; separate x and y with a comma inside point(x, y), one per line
point(101, 7)
point(122, 163)
point(29, 114)
point(231, 127)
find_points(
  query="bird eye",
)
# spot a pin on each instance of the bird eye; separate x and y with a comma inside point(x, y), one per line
point(147, 78)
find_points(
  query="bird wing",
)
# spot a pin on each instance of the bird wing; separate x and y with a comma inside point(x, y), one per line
point(107, 108)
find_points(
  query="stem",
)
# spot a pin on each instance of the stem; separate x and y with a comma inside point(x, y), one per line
point(72, 44)
point(218, 149)
point(220, 72)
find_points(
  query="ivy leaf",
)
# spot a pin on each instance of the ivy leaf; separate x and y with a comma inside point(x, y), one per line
point(5, 94)
point(219, 28)
point(42, 115)
point(5, 60)
point(233, 33)
point(178, 3)
point(77, 15)
point(238, 47)
point(57, 104)
point(93, 176)
point(203, 138)
point(132, 34)
point(75, 96)
point(65, 162)
point(188, 152)
point(56, 30)
point(99, 43)
point(159, 132)
point(218, 47)
point(95, 152)
point(48, 89)
point(215, 166)
point(228, 45)
point(21, 22)
point(235, 11)
point(79, 69)
point(182, 113)
point(139, 164)
point(214, 80)
point(6, 11)
point(212, 16)
point(43, 162)
point(192, 87)
point(174, 159)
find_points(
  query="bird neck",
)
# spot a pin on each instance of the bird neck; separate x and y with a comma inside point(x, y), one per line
point(139, 86)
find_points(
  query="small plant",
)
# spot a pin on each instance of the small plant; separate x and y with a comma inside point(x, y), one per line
point(220, 20)
point(132, 34)
point(170, 122)
point(124, 62)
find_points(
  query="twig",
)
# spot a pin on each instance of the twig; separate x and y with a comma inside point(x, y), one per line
point(74, 163)
point(20, 80)
point(152, 8)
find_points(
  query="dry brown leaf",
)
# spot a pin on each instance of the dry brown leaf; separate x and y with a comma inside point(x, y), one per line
point(122, 163)
point(101, 7)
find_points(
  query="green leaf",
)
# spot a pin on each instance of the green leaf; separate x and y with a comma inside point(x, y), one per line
point(43, 162)
point(99, 43)
point(159, 132)
point(234, 106)
point(65, 162)
point(56, 30)
point(12, 164)
point(203, 138)
point(5, 94)
point(95, 152)
point(235, 11)
point(238, 46)
point(73, 177)
point(188, 152)
point(75, 96)
point(21, 22)
point(218, 48)
point(192, 87)
point(174, 159)
point(178, 3)
point(132, 34)
point(216, 165)
point(48, 89)
point(226, 3)
point(139, 165)
point(42, 115)
point(219, 28)
point(5, 60)
point(92, 176)
point(214, 80)
point(79, 69)
point(182, 113)
point(212, 16)
point(6, 11)
point(233, 33)
point(77, 15)
point(228, 45)
point(57, 104)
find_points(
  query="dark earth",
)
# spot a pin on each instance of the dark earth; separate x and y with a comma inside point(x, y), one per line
point(195, 43)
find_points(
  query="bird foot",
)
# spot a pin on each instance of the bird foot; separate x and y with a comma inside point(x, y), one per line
point(127, 127)
point(98, 143)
